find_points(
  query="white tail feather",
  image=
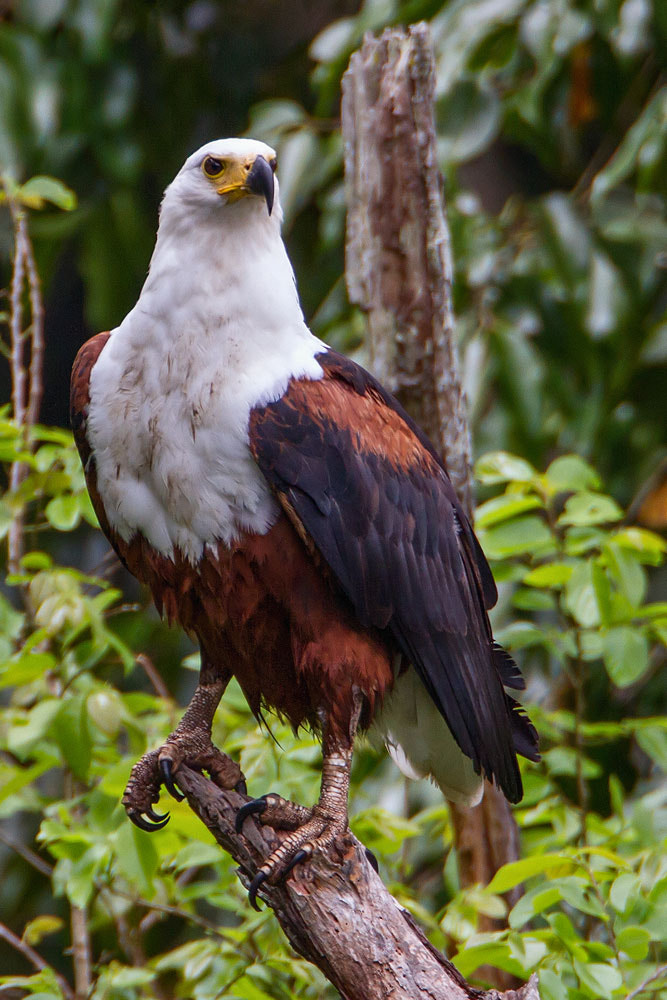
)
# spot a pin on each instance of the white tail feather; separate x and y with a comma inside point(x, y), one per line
point(420, 742)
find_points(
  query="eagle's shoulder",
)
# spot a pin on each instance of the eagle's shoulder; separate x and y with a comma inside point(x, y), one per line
point(79, 400)
point(79, 408)
point(349, 408)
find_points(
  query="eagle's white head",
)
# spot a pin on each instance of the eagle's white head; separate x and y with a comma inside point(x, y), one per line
point(219, 252)
point(223, 174)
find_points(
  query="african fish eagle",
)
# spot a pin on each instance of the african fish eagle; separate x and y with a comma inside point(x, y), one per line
point(283, 507)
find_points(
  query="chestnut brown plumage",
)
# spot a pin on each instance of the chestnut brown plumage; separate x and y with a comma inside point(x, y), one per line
point(284, 509)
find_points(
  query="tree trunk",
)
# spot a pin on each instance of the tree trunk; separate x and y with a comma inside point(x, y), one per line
point(399, 271)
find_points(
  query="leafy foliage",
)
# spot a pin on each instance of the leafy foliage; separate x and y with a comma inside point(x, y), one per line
point(559, 289)
point(167, 910)
point(548, 116)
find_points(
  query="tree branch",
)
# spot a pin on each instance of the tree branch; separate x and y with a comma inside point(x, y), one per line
point(35, 959)
point(336, 912)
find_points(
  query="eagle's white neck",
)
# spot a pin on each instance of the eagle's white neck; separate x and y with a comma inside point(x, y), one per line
point(224, 270)
point(217, 330)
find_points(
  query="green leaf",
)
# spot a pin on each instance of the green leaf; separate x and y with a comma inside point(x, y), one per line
point(122, 977)
point(468, 117)
point(527, 599)
point(566, 760)
point(63, 512)
point(570, 472)
point(70, 729)
point(626, 570)
point(625, 653)
point(628, 154)
point(516, 537)
point(38, 190)
point(504, 507)
point(533, 903)
point(581, 594)
point(195, 855)
point(516, 872)
point(624, 891)
point(137, 857)
point(584, 509)
point(600, 979)
point(552, 986)
point(653, 741)
point(634, 941)
point(643, 541)
point(501, 467)
point(40, 928)
point(553, 574)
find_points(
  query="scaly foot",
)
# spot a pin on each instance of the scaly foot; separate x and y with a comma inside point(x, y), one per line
point(318, 831)
point(159, 767)
point(273, 810)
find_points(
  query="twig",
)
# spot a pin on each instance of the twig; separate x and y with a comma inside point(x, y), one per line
point(35, 382)
point(35, 959)
point(132, 943)
point(160, 687)
point(33, 859)
point(83, 977)
point(81, 951)
point(17, 348)
point(661, 971)
point(162, 908)
point(27, 384)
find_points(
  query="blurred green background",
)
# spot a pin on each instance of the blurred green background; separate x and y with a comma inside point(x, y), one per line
point(552, 125)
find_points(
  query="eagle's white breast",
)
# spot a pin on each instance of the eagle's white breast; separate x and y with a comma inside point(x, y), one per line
point(217, 330)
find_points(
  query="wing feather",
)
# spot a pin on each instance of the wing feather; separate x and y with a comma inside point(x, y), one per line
point(377, 504)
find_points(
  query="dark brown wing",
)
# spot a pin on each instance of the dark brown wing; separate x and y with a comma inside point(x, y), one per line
point(368, 489)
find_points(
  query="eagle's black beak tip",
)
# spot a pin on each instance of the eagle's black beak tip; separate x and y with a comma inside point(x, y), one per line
point(260, 181)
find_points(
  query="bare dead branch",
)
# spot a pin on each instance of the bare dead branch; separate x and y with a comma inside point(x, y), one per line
point(337, 913)
point(27, 381)
point(35, 381)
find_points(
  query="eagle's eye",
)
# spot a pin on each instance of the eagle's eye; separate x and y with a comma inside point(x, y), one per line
point(213, 167)
point(273, 163)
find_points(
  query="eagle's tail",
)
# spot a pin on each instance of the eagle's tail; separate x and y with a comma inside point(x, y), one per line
point(421, 744)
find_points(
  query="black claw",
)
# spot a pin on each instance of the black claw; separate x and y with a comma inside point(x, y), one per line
point(372, 860)
point(296, 860)
point(143, 824)
point(241, 788)
point(168, 781)
point(156, 817)
point(254, 806)
point(259, 878)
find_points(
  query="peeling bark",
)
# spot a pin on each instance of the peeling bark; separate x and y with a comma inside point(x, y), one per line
point(399, 272)
point(337, 913)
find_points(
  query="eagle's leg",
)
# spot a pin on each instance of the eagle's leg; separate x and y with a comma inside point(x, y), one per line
point(326, 820)
point(190, 744)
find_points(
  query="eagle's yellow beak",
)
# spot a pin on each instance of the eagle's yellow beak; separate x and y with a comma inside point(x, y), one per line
point(243, 177)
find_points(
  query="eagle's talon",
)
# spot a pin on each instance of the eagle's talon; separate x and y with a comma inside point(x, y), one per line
point(250, 808)
point(168, 780)
point(156, 817)
point(241, 787)
point(300, 856)
point(372, 860)
point(144, 824)
point(258, 880)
